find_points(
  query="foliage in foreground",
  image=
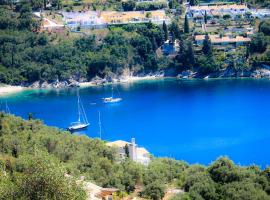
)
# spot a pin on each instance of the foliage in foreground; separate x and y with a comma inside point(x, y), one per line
point(35, 159)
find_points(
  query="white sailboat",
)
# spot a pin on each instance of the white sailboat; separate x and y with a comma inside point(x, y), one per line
point(111, 99)
point(82, 122)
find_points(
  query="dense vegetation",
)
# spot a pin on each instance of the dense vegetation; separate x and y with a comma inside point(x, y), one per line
point(34, 161)
point(28, 55)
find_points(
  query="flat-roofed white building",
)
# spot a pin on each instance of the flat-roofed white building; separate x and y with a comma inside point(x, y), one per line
point(217, 10)
point(131, 150)
point(90, 19)
point(101, 19)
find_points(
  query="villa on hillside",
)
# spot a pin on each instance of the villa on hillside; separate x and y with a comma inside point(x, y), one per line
point(260, 13)
point(114, 17)
point(217, 10)
point(101, 19)
point(131, 150)
point(223, 40)
point(90, 19)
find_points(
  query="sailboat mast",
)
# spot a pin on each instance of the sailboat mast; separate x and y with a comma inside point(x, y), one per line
point(99, 123)
point(79, 110)
point(84, 114)
point(7, 108)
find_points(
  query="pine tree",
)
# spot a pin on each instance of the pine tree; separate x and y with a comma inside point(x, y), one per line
point(207, 47)
point(165, 30)
point(186, 25)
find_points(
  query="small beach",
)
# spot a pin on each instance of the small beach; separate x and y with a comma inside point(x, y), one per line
point(9, 89)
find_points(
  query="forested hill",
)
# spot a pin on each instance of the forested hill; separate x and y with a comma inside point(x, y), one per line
point(34, 159)
point(27, 55)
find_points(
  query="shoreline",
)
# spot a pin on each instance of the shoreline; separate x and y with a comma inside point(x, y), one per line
point(130, 79)
point(6, 90)
point(10, 89)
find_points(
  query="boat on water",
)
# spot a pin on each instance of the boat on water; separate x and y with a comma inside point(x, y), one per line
point(111, 99)
point(82, 122)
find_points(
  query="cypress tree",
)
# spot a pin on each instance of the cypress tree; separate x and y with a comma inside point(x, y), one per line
point(190, 54)
point(154, 43)
point(205, 17)
point(207, 47)
point(186, 25)
point(165, 30)
point(173, 37)
point(174, 28)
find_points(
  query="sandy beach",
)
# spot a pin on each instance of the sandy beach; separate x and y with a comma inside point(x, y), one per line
point(8, 89)
point(126, 79)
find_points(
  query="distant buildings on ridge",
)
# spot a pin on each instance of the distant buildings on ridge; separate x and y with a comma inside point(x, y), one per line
point(220, 9)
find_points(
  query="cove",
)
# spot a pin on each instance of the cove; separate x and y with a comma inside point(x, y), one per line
point(192, 120)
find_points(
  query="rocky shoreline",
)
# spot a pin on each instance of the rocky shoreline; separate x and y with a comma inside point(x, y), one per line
point(188, 74)
point(263, 72)
point(96, 81)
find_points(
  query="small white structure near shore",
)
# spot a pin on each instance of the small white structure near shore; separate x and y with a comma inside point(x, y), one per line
point(131, 150)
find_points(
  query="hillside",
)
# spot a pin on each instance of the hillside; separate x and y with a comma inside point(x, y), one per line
point(31, 55)
point(34, 159)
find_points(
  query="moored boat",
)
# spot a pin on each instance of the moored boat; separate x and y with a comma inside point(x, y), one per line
point(82, 122)
point(111, 99)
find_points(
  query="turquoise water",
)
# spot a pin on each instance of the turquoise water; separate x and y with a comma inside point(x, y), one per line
point(193, 120)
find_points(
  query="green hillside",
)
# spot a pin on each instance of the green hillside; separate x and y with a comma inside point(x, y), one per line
point(34, 159)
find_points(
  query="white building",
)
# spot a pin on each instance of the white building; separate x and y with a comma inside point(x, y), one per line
point(217, 10)
point(90, 19)
point(135, 153)
point(101, 19)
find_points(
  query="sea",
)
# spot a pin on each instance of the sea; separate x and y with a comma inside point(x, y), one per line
point(192, 120)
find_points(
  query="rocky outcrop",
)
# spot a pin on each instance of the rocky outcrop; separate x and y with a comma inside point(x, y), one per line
point(187, 74)
point(99, 81)
point(261, 73)
point(55, 84)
